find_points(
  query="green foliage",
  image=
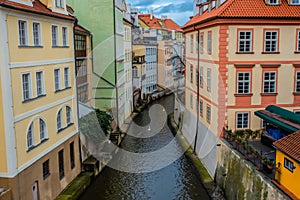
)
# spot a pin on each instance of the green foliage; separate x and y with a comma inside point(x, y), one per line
point(104, 120)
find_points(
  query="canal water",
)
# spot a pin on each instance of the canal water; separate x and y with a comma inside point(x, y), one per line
point(178, 180)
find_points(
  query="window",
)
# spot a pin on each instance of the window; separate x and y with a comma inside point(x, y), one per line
point(59, 3)
point(271, 41)
point(269, 82)
point(134, 72)
point(191, 73)
point(289, 164)
point(192, 44)
point(36, 34)
point(57, 79)
point(208, 113)
point(191, 101)
point(245, 41)
point(242, 120)
point(197, 77)
point(208, 79)
point(82, 93)
point(59, 120)
point(297, 88)
point(68, 115)
point(209, 42)
point(61, 164)
point(80, 45)
point(298, 41)
point(201, 42)
point(201, 77)
point(201, 108)
point(30, 137)
point(46, 169)
point(67, 77)
point(22, 32)
point(295, 2)
point(54, 35)
point(26, 86)
point(65, 36)
point(39, 83)
point(243, 86)
point(273, 2)
point(72, 156)
point(43, 134)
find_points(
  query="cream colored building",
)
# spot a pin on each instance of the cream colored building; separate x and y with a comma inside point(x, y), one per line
point(236, 65)
point(39, 152)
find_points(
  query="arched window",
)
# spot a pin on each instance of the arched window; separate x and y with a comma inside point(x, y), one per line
point(30, 136)
point(43, 133)
point(59, 120)
point(69, 115)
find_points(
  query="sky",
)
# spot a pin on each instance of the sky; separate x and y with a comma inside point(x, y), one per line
point(178, 10)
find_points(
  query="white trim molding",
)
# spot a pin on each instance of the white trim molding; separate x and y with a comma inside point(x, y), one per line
point(40, 63)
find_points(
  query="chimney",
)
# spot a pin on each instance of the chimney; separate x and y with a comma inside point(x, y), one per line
point(151, 15)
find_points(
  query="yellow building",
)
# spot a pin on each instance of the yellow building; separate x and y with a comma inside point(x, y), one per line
point(39, 152)
point(288, 164)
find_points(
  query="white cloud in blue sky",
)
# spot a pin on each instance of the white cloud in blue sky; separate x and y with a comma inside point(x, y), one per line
point(178, 10)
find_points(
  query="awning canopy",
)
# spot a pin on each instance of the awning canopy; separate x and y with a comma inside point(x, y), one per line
point(279, 119)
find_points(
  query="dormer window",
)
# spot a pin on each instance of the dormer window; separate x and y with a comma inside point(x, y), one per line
point(59, 3)
point(274, 2)
point(295, 2)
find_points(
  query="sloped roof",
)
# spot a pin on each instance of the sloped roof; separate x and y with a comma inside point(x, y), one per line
point(171, 25)
point(290, 145)
point(248, 9)
point(81, 29)
point(38, 8)
point(154, 23)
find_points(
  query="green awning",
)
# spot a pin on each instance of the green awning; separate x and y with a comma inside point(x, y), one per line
point(285, 114)
point(276, 120)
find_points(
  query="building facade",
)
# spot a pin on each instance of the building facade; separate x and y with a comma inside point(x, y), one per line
point(39, 130)
point(239, 65)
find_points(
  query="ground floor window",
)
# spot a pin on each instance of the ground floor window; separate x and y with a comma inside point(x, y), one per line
point(242, 120)
point(46, 169)
point(289, 164)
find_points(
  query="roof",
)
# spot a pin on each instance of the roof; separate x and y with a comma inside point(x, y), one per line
point(171, 25)
point(81, 29)
point(38, 8)
point(290, 145)
point(247, 9)
point(154, 23)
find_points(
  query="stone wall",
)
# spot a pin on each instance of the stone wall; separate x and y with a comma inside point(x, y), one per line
point(239, 178)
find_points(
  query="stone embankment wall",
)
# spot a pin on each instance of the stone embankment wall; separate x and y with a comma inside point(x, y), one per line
point(239, 178)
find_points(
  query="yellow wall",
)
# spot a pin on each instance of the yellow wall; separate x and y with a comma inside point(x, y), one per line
point(288, 179)
point(3, 165)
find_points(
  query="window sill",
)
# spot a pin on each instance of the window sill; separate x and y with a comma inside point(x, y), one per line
point(32, 99)
point(60, 46)
point(277, 52)
point(62, 129)
point(297, 52)
point(296, 93)
point(28, 46)
point(244, 95)
point(46, 176)
point(268, 94)
point(61, 90)
point(244, 52)
point(35, 146)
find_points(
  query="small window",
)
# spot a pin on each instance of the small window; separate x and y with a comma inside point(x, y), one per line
point(59, 3)
point(245, 41)
point(61, 169)
point(208, 79)
point(289, 165)
point(273, 2)
point(243, 86)
point(59, 120)
point(209, 42)
point(46, 169)
point(57, 79)
point(26, 83)
point(208, 113)
point(39, 83)
point(72, 155)
point(30, 139)
point(197, 77)
point(36, 34)
point(242, 120)
point(298, 40)
point(191, 101)
point(23, 33)
point(201, 108)
point(191, 73)
point(43, 134)
point(54, 35)
point(67, 77)
point(201, 77)
point(65, 36)
point(295, 2)
point(69, 115)
point(271, 41)
point(201, 43)
point(269, 82)
point(192, 44)
point(297, 88)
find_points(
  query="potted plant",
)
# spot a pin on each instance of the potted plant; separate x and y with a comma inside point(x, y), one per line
point(255, 153)
point(249, 149)
point(238, 140)
point(270, 164)
point(243, 144)
point(264, 160)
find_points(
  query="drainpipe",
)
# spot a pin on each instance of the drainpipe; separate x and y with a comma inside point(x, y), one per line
point(198, 90)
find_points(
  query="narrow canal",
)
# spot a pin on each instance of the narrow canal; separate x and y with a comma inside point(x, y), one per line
point(177, 180)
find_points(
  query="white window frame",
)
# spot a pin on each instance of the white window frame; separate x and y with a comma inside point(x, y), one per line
point(41, 82)
point(64, 33)
point(208, 79)
point(57, 79)
point(59, 120)
point(43, 130)
point(273, 2)
point(245, 84)
point(29, 86)
point(67, 77)
point(59, 3)
point(298, 40)
point(30, 138)
point(288, 164)
point(209, 42)
point(69, 115)
point(191, 73)
point(297, 82)
point(240, 120)
point(25, 32)
point(191, 101)
point(201, 42)
point(271, 40)
point(191, 43)
point(295, 2)
point(269, 82)
point(208, 113)
point(244, 41)
point(201, 77)
point(39, 35)
point(56, 39)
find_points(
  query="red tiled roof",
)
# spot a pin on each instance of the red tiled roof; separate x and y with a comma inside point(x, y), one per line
point(171, 25)
point(290, 145)
point(37, 7)
point(82, 29)
point(248, 9)
point(154, 23)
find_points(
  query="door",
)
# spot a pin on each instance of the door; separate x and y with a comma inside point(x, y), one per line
point(35, 191)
